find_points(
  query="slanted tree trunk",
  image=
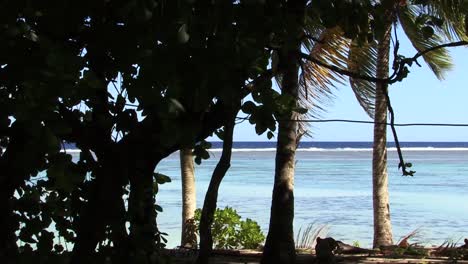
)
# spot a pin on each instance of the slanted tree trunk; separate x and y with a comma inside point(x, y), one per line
point(382, 224)
point(188, 237)
point(279, 246)
point(211, 197)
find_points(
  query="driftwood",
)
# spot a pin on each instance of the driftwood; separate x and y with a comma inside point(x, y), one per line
point(344, 248)
point(466, 244)
point(325, 250)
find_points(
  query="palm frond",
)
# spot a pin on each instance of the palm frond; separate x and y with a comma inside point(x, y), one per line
point(316, 82)
point(452, 13)
point(439, 61)
point(362, 59)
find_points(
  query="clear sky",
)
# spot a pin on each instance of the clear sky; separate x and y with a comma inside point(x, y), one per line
point(420, 98)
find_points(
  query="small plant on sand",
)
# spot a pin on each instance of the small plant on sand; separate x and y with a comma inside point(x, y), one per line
point(307, 237)
point(230, 232)
point(356, 244)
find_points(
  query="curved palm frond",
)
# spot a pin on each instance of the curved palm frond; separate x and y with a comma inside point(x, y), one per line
point(439, 61)
point(452, 13)
point(362, 59)
point(316, 82)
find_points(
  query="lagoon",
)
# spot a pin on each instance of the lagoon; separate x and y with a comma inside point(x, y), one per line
point(333, 188)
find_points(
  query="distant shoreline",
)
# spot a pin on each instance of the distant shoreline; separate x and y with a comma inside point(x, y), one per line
point(328, 146)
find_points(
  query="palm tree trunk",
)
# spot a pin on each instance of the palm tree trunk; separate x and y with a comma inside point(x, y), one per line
point(279, 245)
point(189, 237)
point(382, 224)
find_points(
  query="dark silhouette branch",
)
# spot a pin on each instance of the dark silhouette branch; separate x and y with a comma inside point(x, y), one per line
point(403, 165)
point(399, 71)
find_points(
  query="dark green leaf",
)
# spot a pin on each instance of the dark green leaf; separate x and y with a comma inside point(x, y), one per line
point(161, 178)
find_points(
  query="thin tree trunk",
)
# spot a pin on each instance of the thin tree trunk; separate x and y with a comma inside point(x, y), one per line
point(279, 246)
point(188, 237)
point(382, 224)
point(211, 197)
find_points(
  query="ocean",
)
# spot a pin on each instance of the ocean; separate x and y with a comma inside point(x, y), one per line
point(333, 189)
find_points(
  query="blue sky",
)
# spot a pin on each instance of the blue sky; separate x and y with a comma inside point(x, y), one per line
point(420, 98)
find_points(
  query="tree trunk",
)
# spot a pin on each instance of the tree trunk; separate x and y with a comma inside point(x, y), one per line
point(189, 205)
point(104, 207)
point(141, 208)
point(382, 224)
point(211, 197)
point(8, 247)
point(279, 246)
point(8, 227)
point(13, 174)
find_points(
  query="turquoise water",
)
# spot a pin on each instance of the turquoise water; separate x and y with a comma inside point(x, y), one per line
point(333, 187)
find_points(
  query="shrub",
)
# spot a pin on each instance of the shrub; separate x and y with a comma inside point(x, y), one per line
point(230, 232)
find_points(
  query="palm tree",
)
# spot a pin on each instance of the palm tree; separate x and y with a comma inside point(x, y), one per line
point(279, 245)
point(309, 84)
point(374, 59)
point(188, 237)
point(382, 225)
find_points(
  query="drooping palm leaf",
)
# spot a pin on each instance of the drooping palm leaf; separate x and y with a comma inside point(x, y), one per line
point(439, 61)
point(316, 82)
point(452, 13)
point(362, 59)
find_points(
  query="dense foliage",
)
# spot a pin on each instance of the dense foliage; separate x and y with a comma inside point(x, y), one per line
point(130, 82)
point(230, 232)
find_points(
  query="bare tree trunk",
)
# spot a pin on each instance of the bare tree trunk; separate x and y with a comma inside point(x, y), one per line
point(382, 224)
point(211, 197)
point(279, 246)
point(189, 237)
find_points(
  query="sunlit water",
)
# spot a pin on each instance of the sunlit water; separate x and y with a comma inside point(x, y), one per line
point(333, 187)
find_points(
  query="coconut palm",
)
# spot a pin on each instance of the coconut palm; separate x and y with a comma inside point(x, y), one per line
point(417, 22)
point(310, 85)
point(188, 237)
